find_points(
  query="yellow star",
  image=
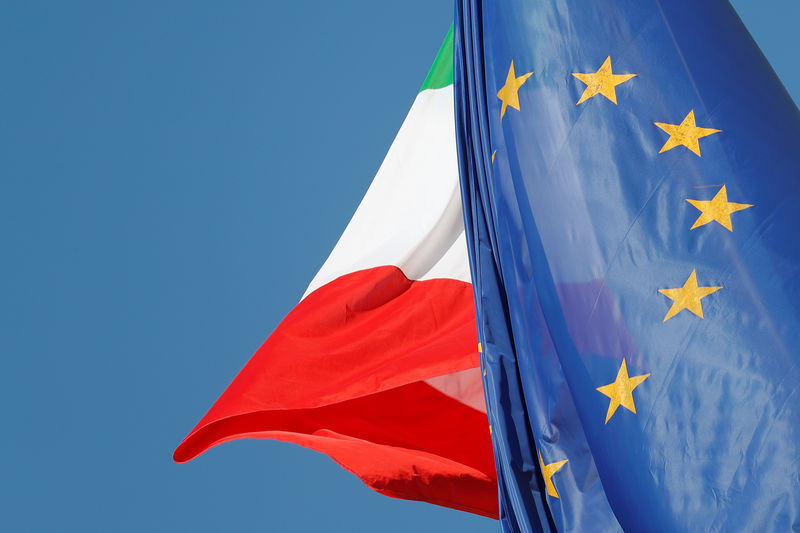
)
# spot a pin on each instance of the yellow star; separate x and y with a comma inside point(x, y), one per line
point(509, 94)
point(602, 82)
point(621, 391)
point(718, 208)
point(687, 297)
point(547, 473)
point(684, 134)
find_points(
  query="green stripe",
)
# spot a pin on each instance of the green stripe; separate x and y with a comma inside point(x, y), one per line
point(441, 74)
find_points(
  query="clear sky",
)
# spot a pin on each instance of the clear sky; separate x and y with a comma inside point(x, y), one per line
point(173, 175)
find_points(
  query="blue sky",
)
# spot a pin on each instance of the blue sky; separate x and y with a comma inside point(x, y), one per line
point(173, 175)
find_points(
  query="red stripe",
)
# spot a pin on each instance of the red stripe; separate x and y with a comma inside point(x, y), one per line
point(342, 374)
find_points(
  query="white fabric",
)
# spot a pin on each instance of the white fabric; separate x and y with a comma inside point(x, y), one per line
point(411, 214)
point(465, 386)
point(411, 218)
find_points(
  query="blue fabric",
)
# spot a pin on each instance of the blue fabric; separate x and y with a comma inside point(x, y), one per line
point(577, 225)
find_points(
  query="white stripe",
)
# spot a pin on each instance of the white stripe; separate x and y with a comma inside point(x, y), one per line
point(411, 214)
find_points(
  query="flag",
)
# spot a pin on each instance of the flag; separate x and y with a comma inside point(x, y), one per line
point(377, 366)
point(631, 176)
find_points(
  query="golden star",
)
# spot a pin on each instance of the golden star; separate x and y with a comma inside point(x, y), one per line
point(718, 208)
point(621, 391)
point(509, 94)
point(602, 82)
point(684, 134)
point(687, 297)
point(547, 473)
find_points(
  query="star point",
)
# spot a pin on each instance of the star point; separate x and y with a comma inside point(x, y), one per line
point(620, 392)
point(718, 209)
point(548, 471)
point(604, 82)
point(509, 93)
point(687, 134)
point(687, 297)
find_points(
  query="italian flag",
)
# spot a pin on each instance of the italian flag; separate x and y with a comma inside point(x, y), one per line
point(377, 366)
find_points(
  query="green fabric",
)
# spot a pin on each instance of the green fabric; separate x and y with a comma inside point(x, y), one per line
point(441, 74)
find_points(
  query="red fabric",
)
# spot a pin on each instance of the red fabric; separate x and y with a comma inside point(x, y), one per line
point(343, 374)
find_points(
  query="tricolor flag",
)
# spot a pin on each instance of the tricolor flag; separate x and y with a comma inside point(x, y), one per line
point(631, 182)
point(378, 364)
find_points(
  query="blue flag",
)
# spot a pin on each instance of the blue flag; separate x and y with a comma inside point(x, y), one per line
point(631, 182)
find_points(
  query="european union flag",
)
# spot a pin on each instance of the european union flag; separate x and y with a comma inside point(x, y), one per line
point(631, 184)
